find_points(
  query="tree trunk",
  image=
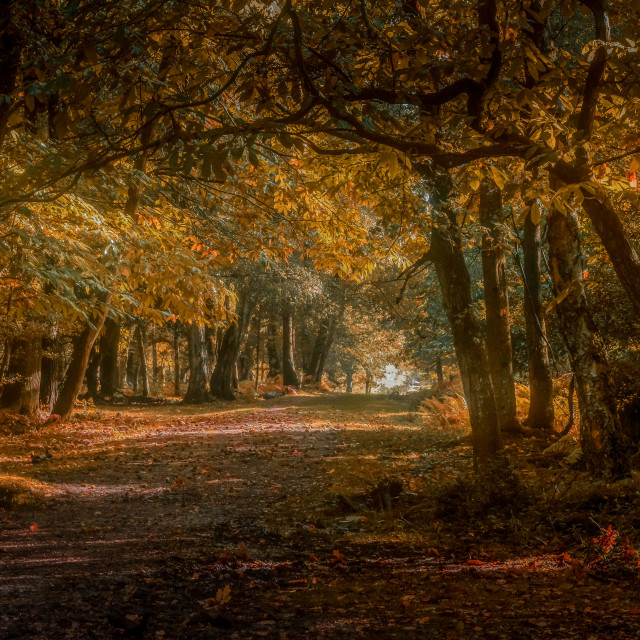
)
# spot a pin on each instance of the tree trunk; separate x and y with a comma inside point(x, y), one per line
point(601, 436)
point(439, 373)
point(324, 342)
point(92, 376)
point(248, 354)
point(155, 369)
point(607, 225)
point(22, 393)
point(51, 371)
point(541, 413)
point(142, 359)
point(289, 375)
point(609, 228)
point(212, 351)
point(348, 384)
point(222, 378)
point(176, 360)
point(72, 384)
point(6, 354)
point(498, 326)
point(133, 361)
point(318, 349)
point(468, 338)
point(109, 343)
point(258, 347)
point(272, 350)
point(197, 391)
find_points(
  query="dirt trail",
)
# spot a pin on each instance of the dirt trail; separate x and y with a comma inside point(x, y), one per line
point(240, 521)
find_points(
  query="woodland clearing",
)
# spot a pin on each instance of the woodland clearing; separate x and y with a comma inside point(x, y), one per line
point(261, 519)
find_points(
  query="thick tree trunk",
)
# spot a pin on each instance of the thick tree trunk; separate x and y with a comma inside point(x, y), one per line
point(109, 343)
point(51, 372)
point(289, 375)
point(469, 340)
point(222, 378)
point(318, 349)
point(603, 444)
point(498, 325)
point(541, 413)
point(197, 391)
point(92, 376)
point(272, 350)
point(22, 392)
point(77, 368)
point(212, 352)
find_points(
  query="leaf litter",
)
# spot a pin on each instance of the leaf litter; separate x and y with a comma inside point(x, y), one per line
point(320, 517)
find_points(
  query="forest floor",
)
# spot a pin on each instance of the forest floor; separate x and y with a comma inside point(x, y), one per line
point(301, 517)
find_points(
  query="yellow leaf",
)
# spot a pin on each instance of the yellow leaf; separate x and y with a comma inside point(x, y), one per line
point(535, 213)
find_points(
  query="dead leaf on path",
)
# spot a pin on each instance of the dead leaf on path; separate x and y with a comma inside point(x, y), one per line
point(223, 595)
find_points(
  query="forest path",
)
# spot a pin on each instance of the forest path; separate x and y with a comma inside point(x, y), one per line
point(253, 520)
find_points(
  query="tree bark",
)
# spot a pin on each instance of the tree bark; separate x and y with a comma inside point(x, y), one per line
point(22, 392)
point(318, 349)
point(439, 374)
point(541, 412)
point(221, 383)
point(109, 343)
point(51, 371)
point(155, 368)
point(82, 346)
point(601, 436)
point(272, 350)
point(349, 381)
point(92, 376)
point(248, 354)
point(142, 359)
point(133, 361)
point(197, 391)
point(176, 360)
point(604, 218)
point(289, 375)
point(324, 342)
point(258, 347)
point(609, 228)
point(496, 299)
point(468, 338)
